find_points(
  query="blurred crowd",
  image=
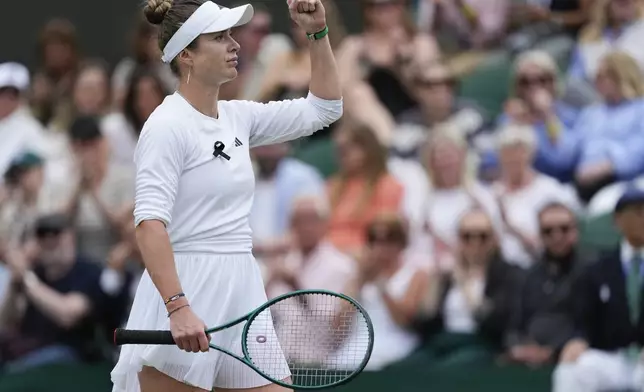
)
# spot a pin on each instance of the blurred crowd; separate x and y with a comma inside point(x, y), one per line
point(456, 228)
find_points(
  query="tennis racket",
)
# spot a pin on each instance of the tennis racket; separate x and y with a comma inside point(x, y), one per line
point(307, 339)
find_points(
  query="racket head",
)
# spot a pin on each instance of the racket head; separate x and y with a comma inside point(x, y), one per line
point(330, 325)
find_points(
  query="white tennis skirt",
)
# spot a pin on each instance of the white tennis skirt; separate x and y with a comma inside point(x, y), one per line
point(220, 288)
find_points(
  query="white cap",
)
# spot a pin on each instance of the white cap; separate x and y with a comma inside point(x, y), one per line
point(14, 75)
point(208, 18)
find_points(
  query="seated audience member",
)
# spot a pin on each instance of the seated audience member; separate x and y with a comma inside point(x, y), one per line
point(543, 318)
point(609, 319)
point(142, 96)
point(612, 133)
point(91, 94)
point(50, 314)
point(59, 58)
point(470, 307)
point(614, 25)
point(389, 289)
point(362, 189)
point(145, 54)
point(434, 88)
point(28, 197)
point(537, 103)
point(279, 181)
point(261, 46)
point(101, 192)
point(312, 262)
point(19, 130)
point(90, 97)
point(453, 191)
point(380, 56)
point(521, 193)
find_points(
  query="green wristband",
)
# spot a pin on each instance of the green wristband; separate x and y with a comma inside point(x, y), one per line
point(319, 35)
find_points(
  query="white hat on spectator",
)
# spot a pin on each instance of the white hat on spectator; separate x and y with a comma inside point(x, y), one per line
point(14, 75)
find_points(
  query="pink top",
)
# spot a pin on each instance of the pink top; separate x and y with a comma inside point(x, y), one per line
point(327, 269)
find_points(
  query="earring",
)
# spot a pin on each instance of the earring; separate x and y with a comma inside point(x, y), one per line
point(188, 80)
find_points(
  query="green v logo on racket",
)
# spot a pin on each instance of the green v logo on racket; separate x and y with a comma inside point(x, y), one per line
point(318, 338)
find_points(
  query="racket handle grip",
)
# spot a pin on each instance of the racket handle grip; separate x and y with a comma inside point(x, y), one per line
point(135, 336)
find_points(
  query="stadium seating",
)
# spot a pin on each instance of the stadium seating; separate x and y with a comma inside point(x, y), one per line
point(318, 153)
point(417, 377)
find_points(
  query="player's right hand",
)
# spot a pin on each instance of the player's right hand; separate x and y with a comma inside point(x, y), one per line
point(189, 331)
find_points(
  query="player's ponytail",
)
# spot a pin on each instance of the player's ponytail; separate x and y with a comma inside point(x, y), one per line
point(156, 10)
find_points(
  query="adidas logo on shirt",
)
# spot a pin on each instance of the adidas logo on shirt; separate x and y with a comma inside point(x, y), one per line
point(237, 142)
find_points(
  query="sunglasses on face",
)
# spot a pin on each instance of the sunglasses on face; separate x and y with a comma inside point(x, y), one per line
point(468, 236)
point(43, 233)
point(547, 231)
point(382, 237)
point(527, 81)
point(431, 83)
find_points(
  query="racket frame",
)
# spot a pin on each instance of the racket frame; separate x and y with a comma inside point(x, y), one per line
point(248, 318)
point(252, 315)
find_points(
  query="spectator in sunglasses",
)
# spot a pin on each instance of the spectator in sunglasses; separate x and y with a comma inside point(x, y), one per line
point(467, 310)
point(390, 288)
point(537, 102)
point(61, 291)
point(542, 320)
point(434, 89)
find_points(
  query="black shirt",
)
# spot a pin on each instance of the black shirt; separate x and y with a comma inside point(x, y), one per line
point(83, 278)
point(545, 306)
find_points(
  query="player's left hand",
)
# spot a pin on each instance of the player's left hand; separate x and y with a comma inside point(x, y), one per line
point(308, 14)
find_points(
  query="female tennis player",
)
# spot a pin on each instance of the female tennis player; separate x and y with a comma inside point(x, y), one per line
point(194, 190)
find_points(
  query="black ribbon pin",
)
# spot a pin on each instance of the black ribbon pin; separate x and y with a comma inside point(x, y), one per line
point(219, 151)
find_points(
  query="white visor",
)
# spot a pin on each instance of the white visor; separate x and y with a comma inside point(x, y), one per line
point(208, 18)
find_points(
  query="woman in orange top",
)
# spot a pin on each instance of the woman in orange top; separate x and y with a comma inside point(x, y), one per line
point(362, 189)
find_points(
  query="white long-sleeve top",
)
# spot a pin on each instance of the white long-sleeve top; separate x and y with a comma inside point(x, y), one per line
point(205, 200)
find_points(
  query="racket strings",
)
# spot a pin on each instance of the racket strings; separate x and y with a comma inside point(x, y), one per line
point(316, 339)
